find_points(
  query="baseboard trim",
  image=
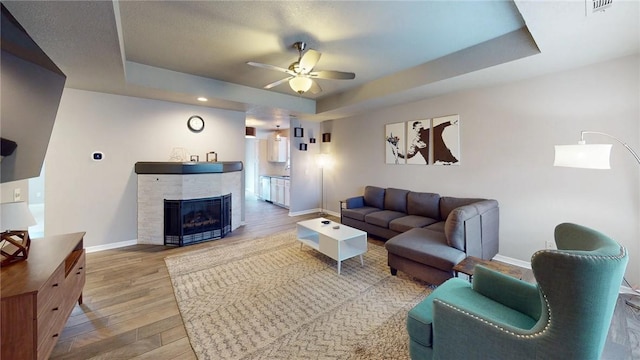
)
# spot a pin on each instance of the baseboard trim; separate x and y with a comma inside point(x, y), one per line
point(104, 247)
point(313, 211)
point(512, 261)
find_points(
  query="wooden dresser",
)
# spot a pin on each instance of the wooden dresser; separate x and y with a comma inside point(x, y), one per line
point(38, 295)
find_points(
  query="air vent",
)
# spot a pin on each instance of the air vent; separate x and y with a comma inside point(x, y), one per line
point(596, 6)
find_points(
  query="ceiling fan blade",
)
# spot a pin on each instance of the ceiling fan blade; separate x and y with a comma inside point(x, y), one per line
point(315, 88)
point(334, 75)
point(271, 67)
point(276, 83)
point(308, 61)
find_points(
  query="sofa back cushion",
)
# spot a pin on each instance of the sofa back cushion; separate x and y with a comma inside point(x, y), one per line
point(454, 229)
point(423, 204)
point(395, 200)
point(374, 196)
point(448, 203)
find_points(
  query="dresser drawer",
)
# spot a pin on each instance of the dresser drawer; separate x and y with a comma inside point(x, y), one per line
point(51, 292)
point(75, 280)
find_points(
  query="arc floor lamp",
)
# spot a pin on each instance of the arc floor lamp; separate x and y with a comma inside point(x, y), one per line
point(592, 156)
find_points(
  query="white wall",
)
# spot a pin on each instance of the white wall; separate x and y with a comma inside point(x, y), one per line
point(507, 135)
point(100, 197)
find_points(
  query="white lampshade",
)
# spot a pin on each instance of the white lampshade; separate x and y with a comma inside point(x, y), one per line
point(324, 161)
point(15, 216)
point(300, 84)
point(586, 156)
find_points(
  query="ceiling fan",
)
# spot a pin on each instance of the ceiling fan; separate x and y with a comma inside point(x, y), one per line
point(300, 72)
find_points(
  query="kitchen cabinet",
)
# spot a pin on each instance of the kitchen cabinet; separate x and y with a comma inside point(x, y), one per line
point(287, 201)
point(265, 188)
point(277, 151)
point(275, 189)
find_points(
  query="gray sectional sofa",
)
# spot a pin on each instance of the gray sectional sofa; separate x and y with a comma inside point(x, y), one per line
point(427, 234)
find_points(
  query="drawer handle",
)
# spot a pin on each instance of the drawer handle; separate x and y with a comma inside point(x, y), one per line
point(55, 285)
point(79, 272)
point(55, 335)
point(55, 309)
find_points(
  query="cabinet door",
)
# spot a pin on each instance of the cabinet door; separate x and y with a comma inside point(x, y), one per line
point(286, 193)
point(274, 191)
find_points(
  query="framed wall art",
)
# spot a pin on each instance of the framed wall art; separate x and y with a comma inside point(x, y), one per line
point(446, 140)
point(394, 140)
point(418, 148)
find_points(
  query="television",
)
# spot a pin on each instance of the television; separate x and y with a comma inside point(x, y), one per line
point(30, 93)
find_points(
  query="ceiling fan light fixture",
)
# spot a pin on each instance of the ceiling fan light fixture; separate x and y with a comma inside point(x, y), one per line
point(300, 84)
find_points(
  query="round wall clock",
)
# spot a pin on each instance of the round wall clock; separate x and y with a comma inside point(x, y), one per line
point(195, 123)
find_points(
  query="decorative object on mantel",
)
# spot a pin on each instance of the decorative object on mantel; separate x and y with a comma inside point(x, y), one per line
point(298, 132)
point(178, 154)
point(303, 147)
point(212, 156)
point(195, 124)
point(312, 140)
point(250, 132)
point(15, 244)
point(326, 137)
point(195, 158)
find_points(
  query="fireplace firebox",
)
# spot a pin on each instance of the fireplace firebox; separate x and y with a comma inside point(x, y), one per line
point(192, 221)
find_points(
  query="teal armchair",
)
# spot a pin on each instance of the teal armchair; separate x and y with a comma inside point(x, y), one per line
point(565, 316)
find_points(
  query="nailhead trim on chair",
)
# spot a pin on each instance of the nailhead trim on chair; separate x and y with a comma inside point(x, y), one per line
point(622, 254)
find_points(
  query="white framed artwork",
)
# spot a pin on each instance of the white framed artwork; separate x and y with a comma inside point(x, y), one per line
point(446, 140)
point(418, 148)
point(394, 139)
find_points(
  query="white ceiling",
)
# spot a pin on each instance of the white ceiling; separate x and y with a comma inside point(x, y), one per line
point(400, 51)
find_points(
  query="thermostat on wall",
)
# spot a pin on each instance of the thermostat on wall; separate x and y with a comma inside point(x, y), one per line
point(97, 156)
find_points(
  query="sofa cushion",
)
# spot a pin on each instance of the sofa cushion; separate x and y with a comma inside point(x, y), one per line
point(448, 203)
point(439, 226)
point(395, 200)
point(382, 218)
point(423, 204)
point(409, 222)
point(358, 213)
point(426, 247)
point(374, 197)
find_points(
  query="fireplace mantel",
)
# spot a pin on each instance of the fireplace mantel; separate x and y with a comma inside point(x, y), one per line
point(159, 181)
point(187, 167)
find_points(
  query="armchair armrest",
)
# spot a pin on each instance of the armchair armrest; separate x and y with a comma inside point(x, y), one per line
point(509, 291)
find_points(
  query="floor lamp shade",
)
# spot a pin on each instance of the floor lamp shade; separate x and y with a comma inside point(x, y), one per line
point(586, 156)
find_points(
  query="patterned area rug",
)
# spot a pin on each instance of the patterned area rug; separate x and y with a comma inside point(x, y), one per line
point(270, 298)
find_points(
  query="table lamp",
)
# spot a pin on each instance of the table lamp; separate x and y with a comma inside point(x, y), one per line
point(14, 245)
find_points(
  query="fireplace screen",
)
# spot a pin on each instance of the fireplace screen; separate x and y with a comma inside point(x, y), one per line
point(192, 221)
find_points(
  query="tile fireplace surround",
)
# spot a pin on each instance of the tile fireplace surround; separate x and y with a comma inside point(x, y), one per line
point(158, 181)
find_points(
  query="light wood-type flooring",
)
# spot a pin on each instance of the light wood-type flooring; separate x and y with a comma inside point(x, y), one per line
point(129, 310)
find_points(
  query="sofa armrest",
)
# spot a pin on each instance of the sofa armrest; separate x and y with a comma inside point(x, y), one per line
point(474, 229)
point(509, 291)
point(354, 202)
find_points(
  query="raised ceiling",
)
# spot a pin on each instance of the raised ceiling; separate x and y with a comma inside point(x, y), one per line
point(400, 51)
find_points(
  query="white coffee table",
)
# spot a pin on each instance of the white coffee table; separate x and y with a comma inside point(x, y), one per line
point(339, 244)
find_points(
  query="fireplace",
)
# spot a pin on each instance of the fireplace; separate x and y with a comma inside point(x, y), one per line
point(192, 221)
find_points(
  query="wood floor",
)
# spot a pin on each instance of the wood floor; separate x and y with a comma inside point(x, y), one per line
point(129, 310)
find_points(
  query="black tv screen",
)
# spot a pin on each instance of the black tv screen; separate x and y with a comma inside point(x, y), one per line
point(30, 93)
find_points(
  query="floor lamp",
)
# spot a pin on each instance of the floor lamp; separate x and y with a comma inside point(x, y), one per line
point(593, 156)
point(323, 161)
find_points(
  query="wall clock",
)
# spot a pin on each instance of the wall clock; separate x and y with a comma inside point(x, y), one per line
point(195, 123)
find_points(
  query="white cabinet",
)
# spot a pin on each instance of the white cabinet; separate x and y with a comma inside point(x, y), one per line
point(278, 196)
point(277, 150)
point(265, 188)
point(287, 201)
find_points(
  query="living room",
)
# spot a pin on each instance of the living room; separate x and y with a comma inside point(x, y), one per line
point(507, 136)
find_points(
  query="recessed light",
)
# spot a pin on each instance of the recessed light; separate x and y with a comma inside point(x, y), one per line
point(201, 98)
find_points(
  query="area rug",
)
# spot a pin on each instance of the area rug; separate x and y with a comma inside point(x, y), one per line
point(272, 298)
